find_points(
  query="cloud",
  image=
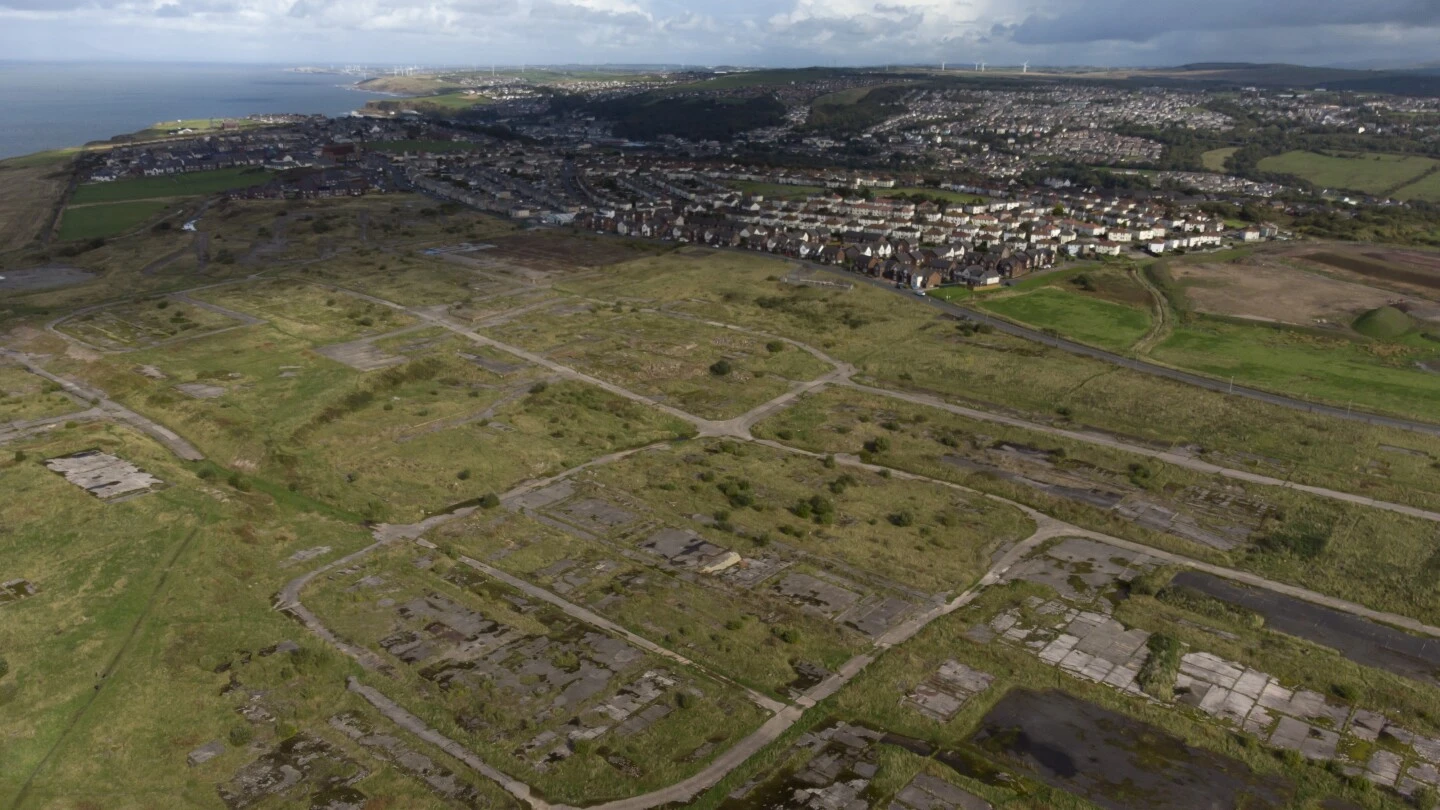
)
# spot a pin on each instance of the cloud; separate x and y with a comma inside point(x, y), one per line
point(758, 32)
point(1145, 20)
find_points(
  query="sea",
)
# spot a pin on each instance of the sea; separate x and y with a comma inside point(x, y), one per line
point(52, 105)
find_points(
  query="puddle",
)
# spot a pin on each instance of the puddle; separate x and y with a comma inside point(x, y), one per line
point(1117, 762)
point(1362, 641)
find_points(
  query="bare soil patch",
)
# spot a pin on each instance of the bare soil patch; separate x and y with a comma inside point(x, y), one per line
point(1412, 271)
point(1269, 291)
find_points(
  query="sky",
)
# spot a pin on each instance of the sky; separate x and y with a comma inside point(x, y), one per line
point(737, 32)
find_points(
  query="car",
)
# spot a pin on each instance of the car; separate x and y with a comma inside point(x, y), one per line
point(920, 292)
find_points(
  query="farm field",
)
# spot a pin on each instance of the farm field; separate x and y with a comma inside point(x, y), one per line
point(194, 184)
point(1371, 174)
point(1427, 188)
point(107, 220)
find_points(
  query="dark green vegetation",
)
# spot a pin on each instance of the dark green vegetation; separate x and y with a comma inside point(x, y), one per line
point(193, 184)
point(851, 111)
point(1384, 323)
point(105, 221)
point(646, 117)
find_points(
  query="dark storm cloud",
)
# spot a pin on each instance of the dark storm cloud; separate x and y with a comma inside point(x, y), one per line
point(1145, 20)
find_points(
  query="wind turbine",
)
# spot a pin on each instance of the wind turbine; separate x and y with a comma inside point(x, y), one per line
point(1025, 68)
point(982, 66)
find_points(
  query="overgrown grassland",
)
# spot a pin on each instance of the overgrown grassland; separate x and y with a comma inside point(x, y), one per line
point(923, 536)
point(308, 311)
point(875, 699)
point(872, 328)
point(167, 586)
point(26, 396)
point(709, 371)
point(389, 444)
point(143, 323)
point(730, 631)
point(504, 721)
point(1383, 560)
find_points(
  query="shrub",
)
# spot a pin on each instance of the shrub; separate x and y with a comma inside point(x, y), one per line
point(879, 444)
point(539, 387)
point(463, 475)
point(903, 518)
point(720, 368)
point(4, 667)
point(19, 456)
point(685, 700)
point(737, 491)
point(789, 635)
point(241, 735)
point(490, 501)
point(775, 347)
point(1157, 674)
point(1305, 539)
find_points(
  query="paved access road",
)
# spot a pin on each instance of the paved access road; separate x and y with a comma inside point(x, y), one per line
point(1145, 367)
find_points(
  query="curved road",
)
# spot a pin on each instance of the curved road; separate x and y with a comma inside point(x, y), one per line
point(1144, 367)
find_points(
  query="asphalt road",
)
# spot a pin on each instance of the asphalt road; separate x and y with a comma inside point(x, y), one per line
point(1209, 383)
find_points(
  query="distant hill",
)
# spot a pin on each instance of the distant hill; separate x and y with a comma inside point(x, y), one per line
point(1423, 81)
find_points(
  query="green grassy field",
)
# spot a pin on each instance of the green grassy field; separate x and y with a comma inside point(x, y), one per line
point(193, 184)
point(53, 157)
point(1214, 159)
point(1426, 188)
point(777, 191)
point(1371, 174)
point(1089, 320)
point(105, 221)
point(1377, 376)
